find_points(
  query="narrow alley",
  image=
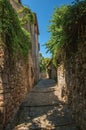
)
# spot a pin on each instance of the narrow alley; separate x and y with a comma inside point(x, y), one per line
point(40, 91)
point(43, 110)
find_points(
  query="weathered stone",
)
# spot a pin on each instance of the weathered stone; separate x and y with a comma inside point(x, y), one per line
point(1, 103)
point(84, 66)
point(1, 91)
point(1, 109)
point(72, 84)
point(1, 97)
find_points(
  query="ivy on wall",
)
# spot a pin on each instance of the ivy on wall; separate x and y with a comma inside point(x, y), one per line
point(27, 16)
point(17, 38)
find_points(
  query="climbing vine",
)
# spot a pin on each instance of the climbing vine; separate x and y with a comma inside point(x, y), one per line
point(74, 20)
point(27, 16)
point(65, 25)
point(17, 38)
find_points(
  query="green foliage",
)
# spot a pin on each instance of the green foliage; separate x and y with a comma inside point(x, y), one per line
point(16, 1)
point(17, 38)
point(65, 26)
point(56, 29)
point(73, 19)
point(43, 63)
point(27, 16)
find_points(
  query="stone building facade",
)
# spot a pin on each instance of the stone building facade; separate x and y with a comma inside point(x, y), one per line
point(17, 76)
point(35, 48)
point(34, 51)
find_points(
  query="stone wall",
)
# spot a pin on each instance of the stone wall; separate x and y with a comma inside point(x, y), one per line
point(2, 108)
point(76, 85)
point(14, 84)
point(16, 5)
point(72, 81)
point(16, 77)
point(61, 82)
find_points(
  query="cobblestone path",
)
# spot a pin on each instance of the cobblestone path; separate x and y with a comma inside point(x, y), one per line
point(42, 110)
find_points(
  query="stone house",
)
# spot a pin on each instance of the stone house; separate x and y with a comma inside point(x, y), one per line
point(34, 51)
point(17, 77)
point(35, 48)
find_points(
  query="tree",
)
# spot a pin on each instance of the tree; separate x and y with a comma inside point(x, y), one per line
point(56, 30)
point(64, 27)
point(43, 63)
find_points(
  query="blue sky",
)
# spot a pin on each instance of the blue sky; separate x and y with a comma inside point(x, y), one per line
point(44, 10)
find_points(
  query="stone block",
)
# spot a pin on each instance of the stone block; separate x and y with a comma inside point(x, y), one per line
point(84, 66)
point(1, 103)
